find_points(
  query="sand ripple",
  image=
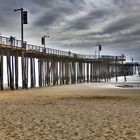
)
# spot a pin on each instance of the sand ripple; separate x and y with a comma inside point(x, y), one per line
point(70, 118)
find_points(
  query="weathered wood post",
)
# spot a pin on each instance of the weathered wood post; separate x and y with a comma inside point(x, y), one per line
point(16, 70)
point(32, 69)
point(10, 67)
point(23, 69)
point(124, 71)
point(1, 68)
point(116, 71)
point(87, 72)
point(67, 71)
point(91, 72)
point(40, 65)
point(26, 72)
point(48, 73)
point(73, 72)
point(83, 71)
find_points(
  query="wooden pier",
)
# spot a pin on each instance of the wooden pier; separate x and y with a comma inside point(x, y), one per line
point(39, 66)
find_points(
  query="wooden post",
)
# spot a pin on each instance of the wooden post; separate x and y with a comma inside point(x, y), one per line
point(60, 73)
point(11, 70)
point(26, 72)
point(99, 70)
point(67, 71)
point(94, 71)
point(32, 72)
point(48, 73)
point(64, 72)
point(78, 75)
point(1, 68)
point(56, 72)
point(73, 73)
point(108, 71)
point(87, 72)
point(40, 72)
point(53, 71)
point(16, 70)
point(116, 72)
point(23, 70)
point(45, 73)
point(79, 71)
point(8, 72)
point(91, 72)
point(81, 67)
point(124, 71)
point(83, 71)
point(138, 69)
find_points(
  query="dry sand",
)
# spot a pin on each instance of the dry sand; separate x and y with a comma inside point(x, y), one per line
point(73, 112)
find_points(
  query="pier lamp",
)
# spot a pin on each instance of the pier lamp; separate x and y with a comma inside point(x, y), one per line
point(100, 48)
point(23, 21)
point(43, 40)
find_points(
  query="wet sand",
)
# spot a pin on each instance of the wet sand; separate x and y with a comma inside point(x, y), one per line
point(74, 112)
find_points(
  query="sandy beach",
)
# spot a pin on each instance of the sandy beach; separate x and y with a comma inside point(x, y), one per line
point(97, 111)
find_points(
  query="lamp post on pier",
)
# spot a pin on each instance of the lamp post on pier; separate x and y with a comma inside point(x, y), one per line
point(99, 49)
point(99, 56)
point(23, 21)
point(43, 40)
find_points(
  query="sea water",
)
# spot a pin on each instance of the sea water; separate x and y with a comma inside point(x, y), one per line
point(132, 81)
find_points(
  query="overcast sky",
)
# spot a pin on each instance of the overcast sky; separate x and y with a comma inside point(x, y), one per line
point(77, 25)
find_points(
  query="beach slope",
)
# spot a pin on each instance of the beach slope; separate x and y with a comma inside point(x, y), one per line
point(98, 111)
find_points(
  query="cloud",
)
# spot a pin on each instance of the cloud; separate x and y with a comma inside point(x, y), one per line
point(126, 4)
point(55, 12)
point(81, 23)
point(124, 24)
point(47, 19)
point(87, 21)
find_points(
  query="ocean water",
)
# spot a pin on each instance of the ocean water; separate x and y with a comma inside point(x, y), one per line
point(132, 81)
point(132, 78)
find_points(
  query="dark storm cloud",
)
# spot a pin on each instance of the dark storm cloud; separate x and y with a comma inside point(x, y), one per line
point(81, 23)
point(8, 17)
point(47, 19)
point(127, 22)
point(54, 3)
point(126, 4)
point(45, 3)
point(57, 12)
point(116, 26)
point(136, 33)
point(10, 20)
point(86, 22)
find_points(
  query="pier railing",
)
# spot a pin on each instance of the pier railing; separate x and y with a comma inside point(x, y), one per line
point(50, 51)
point(7, 41)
